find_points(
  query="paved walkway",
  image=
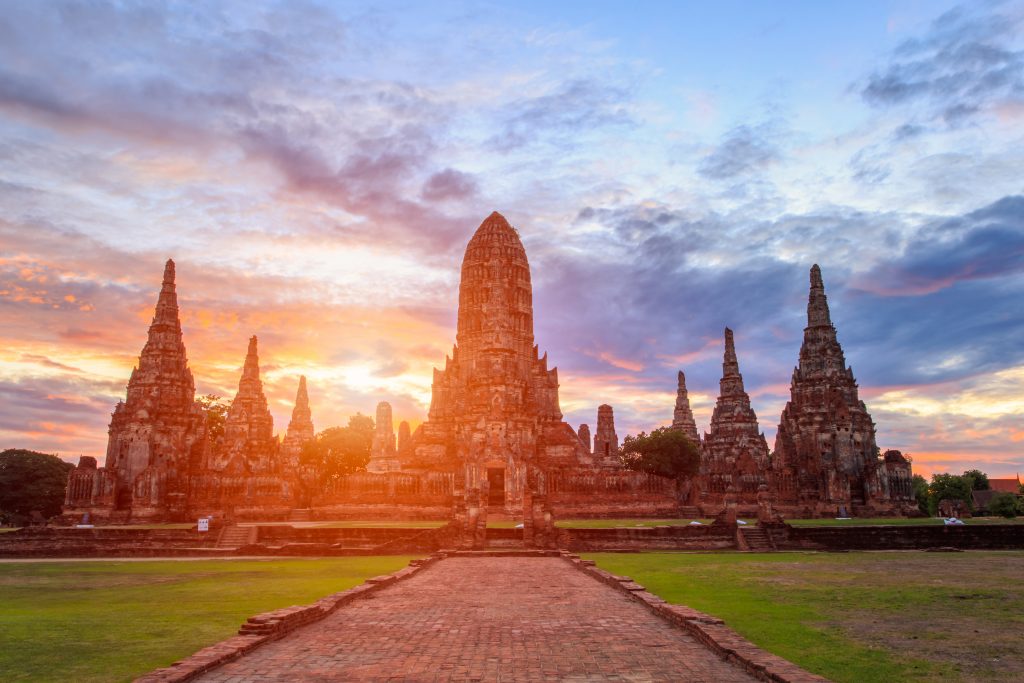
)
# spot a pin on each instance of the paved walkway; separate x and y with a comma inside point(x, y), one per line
point(487, 619)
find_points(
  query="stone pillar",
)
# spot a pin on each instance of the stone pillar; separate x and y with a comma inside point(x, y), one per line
point(606, 442)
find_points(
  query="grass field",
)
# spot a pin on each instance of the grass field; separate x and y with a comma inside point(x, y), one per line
point(899, 521)
point(857, 617)
point(112, 621)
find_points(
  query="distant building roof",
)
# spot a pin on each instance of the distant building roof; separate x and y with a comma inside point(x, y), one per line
point(1009, 485)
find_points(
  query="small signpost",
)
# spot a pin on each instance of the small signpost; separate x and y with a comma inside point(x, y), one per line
point(204, 524)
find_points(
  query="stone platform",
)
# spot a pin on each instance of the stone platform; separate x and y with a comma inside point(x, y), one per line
point(498, 618)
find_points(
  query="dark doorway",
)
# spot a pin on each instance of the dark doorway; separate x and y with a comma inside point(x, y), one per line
point(496, 486)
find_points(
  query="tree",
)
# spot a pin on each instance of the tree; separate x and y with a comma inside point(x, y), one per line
point(977, 479)
point(665, 452)
point(338, 451)
point(1003, 505)
point(948, 486)
point(919, 485)
point(216, 415)
point(31, 481)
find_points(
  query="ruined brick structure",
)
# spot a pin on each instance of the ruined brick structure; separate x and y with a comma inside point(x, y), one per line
point(735, 453)
point(160, 463)
point(300, 428)
point(155, 434)
point(494, 412)
point(606, 441)
point(383, 451)
point(584, 435)
point(682, 416)
point(249, 446)
point(826, 461)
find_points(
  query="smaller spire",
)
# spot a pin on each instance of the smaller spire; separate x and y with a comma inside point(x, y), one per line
point(682, 417)
point(817, 303)
point(169, 272)
point(167, 301)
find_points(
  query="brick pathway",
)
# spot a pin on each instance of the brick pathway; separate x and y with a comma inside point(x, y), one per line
point(487, 619)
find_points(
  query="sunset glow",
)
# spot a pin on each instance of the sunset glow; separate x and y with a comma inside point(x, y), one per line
point(316, 170)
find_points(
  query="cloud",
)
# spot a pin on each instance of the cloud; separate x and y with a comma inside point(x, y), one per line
point(576, 106)
point(742, 150)
point(449, 184)
point(964, 63)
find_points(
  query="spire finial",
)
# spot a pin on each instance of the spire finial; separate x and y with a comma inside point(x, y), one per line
point(169, 272)
point(817, 303)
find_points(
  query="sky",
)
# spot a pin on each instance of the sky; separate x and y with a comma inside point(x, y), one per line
point(317, 168)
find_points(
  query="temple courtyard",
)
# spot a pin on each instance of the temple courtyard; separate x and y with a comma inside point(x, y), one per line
point(854, 616)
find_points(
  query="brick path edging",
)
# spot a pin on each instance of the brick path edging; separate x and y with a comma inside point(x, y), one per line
point(276, 624)
point(707, 629)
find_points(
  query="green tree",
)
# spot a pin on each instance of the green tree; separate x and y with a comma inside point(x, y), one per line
point(216, 414)
point(665, 452)
point(978, 480)
point(31, 481)
point(338, 451)
point(948, 486)
point(1003, 505)
point(919, 485)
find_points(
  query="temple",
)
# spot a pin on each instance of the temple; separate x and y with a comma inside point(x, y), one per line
point(735, 453)
point(826, 461)
point(494, 442)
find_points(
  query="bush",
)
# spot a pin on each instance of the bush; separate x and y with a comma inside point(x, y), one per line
point(1003, 505)
point(666, 452)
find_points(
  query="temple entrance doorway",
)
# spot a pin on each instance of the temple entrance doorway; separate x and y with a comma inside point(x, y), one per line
point(496, 486)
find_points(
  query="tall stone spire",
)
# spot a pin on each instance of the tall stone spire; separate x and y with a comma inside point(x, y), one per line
point(494, 416)
point(159, 423)
point(682, 417)
point(404, 440)
point(826, 459)
point(249, 427)
point(300, 428)
point(735, 451)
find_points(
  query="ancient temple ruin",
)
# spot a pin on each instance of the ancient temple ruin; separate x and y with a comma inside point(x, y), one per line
point(300, 428)
point(383, 450)
point(734, 457)
point(161, 462)
point(826, 461)
point(682, 416)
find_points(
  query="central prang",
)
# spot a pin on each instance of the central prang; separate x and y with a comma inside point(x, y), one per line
point(494, 415)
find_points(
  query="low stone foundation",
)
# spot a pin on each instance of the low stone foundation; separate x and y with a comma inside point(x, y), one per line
point(707, 537)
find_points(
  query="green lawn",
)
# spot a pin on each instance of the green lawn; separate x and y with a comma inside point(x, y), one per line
point(901, 521)
point(358, 524)
point(857, 617)
point(112, 621)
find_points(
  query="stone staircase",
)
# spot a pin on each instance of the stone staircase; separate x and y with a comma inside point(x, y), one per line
point(236, 536)
point(300, 515)
point(757, 539)
point(505, 539)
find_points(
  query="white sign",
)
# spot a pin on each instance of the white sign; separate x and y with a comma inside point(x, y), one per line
point(204, 524)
